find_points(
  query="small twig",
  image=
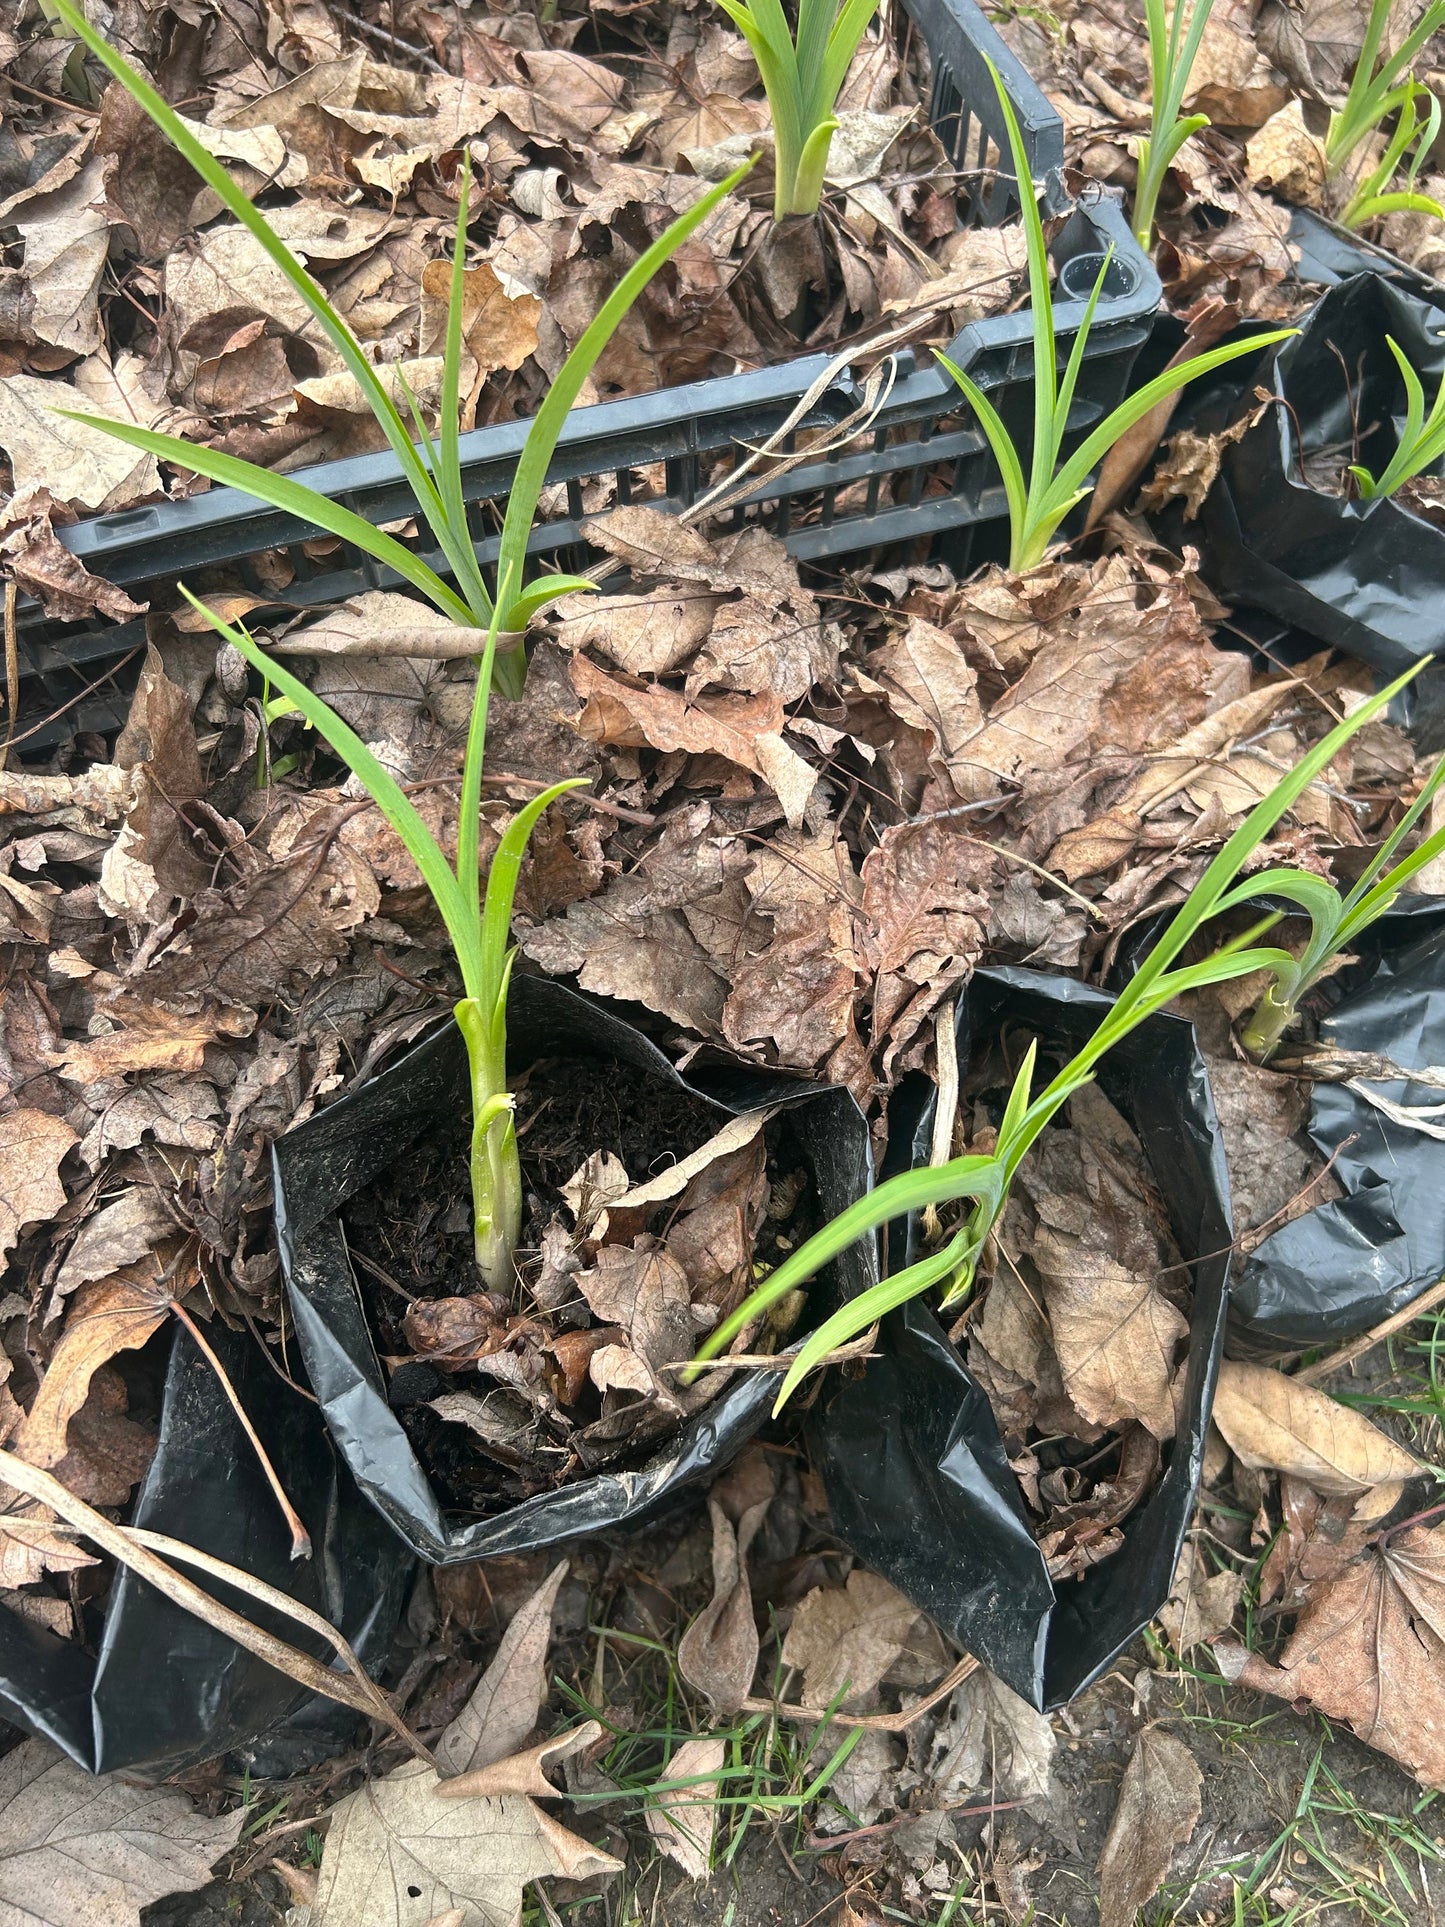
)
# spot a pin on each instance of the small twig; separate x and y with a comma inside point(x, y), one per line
point(12, 671)
point(393, 40)
point(129, 1547)
point(780, 1361)
point(1387, 1327)
point(874, 1722)
point(300, 1537)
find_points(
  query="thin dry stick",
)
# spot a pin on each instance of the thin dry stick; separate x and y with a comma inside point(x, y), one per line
point(12, 671)
point(876, 1722)
point(779, 1361)
point(300, 1537)
point(1347, 1354)
point(297, 1665)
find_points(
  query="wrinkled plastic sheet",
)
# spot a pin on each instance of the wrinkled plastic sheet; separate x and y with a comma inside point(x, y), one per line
point(332, 1156)
point(165, 1690)
point(1343, 1267)
point(917, 1479)
point(1367, 578)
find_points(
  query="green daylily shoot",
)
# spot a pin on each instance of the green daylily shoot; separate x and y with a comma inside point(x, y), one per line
point(1038, 503)
point(1419, 447)
point(1376, 92)
point(1171, 61)
point(984, 1179)
point(802, 75)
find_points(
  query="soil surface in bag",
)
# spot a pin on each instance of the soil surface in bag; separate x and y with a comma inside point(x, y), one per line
point(1342, 1267)
point(161, 1690)
point(359, 1143)
point(1276, 530)
point(919, 1481)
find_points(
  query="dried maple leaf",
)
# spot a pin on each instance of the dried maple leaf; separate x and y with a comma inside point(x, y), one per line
point(1369, 1648)
point(33, 1145)
point(846, 1638)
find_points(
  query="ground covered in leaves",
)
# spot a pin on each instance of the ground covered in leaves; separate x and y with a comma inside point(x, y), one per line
point(816, 802)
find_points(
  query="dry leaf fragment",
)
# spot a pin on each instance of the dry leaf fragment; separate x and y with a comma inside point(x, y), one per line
point(992, 1738)
point(382, 623)
point(1202, 1603)
point(1115, 1333)
point(397, 1856)
point(523, 1773)
point(683, 1820)
point(115, 1236)
point(31, 1544)
point(82, 467)
point(848, 1637)
point(503, 1708)
point(1286, 157)
point(1158, 1810)
point(718, 1654)
point(113, 1315)
point(1369, 1648)
point(42, 565)
point(75, 1848)
point(1274, 1424)
point(33, 1145)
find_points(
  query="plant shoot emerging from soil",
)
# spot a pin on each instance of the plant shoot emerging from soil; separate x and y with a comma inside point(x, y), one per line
point(1038, 504)
point(802, 74)
point(1421, 443)
point(1378, 90)
point(1414, 134)
point(984, 1179)
point(478, 925)
point(1172, 51)
point(1335, 921)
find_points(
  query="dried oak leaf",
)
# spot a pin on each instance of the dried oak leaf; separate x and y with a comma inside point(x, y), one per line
point(33, 1145)
point(926, 680)
point(77, 1848)
point(115, 1236)
point(1369, 1648)
point(646, 1292)
point(1273, 1423)
point(1158, 1810)
point(31, 1544)
point(846, 1638)
point(82, 467)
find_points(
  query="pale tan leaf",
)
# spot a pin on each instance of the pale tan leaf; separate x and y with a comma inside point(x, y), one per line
point(683, 1820)
point(848, 1637)
point(1158, 1810)
point(381, 623)
point(31, 1544)
point(523, 1773)
point(734, 1135)
point(397, 1856)
point(1274, 1424)
point(33, 1145)
point(80, 466)
point(1116, 1334)
point(718, 1654)
point(112, 1315)
point(502, 1710)
point(76, 1849)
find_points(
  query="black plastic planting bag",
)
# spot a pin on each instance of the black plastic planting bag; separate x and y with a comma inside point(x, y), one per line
point(331, 1157)
point(1366, 577)
point(1346, 1265)
point(164, 1690)
point(917, 1480)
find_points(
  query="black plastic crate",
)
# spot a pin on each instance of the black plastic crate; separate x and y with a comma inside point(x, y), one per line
point(923, 472)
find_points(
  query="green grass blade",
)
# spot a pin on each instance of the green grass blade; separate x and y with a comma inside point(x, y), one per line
point(293, 498)
point(1041, 299)
point(545, 589)
point(548, 422)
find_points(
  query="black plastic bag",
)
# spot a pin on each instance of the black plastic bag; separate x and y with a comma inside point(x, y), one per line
point(1367, 578)
point(917, 1479)
point(1341, 1268)
point(332, 1156)
point(164, 1689)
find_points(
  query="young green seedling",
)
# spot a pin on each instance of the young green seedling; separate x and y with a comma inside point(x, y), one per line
point(433, 471)
point(1335, 921)
point(802, 76)
point(1171, 61)
point(1039, 504)
point(1419, 447)
point(1373, 197)
point(984, 1179)
point(1376, 92)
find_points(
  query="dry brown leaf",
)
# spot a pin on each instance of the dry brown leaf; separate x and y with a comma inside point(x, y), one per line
point(684, 1820)
point(502, 1710)
point(991, 1738)
point(523, 1773)
point(33, 1145)
point(381, 623)
point(1274, 1424)
point(397, 1856)
point(848, 1638)
point(66, 239)
point(31, 1544)
point(112, 1315)
point(718, 1654)
point(76, 1848)
point(1202, 1604)
point(1287, 158)
point(80, 466)
point(922, 920)
point(928, 684)
point(1117, 1336)
point(115, 1236)
point(647, 1293)
point(732, 1137)
point(647, 635)
point(499, 328)
point(42, 565)
point(1158, 1810)
point(1369, 1648)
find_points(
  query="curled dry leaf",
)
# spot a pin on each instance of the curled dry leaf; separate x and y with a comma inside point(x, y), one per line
point(381, 623)
point(1202, 1603)
point(848, 1638)
point(75, 1848)
point(991, 1738)
point(1158, 1810)
point(1274, 1424)
point(718, 1654)
point(523, 1773)
point(503, 1709)
point(33, 1145)
point(683, 1820)
point(1369, 1648)
point(109, 1316)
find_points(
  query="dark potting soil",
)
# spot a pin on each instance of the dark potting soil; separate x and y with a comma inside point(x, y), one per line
point(410, 1239)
